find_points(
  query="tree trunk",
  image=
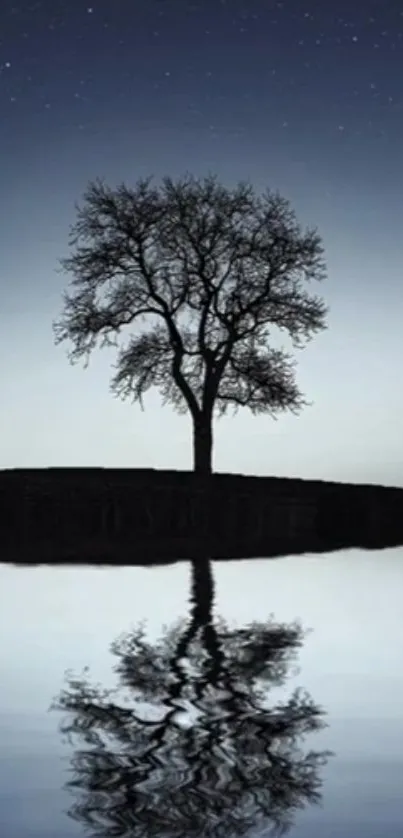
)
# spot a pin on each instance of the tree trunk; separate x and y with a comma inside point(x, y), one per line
point(202, 445)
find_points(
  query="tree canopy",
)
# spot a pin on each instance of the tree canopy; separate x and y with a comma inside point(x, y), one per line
point(201, 277)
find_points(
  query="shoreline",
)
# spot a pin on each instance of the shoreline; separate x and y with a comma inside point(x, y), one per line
point(151, 516)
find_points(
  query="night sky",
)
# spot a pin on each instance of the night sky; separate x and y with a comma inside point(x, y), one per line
point(304, 97)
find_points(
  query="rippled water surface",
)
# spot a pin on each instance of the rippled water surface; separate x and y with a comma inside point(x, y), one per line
point(206, 726)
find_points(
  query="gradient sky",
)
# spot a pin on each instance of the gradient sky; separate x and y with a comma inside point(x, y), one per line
point(305, 97)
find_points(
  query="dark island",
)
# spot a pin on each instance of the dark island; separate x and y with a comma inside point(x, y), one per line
point(148, 516)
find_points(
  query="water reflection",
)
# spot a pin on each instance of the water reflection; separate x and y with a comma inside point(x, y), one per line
point(189, 744)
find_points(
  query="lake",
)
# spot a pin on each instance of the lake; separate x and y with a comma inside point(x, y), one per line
point(350, 663)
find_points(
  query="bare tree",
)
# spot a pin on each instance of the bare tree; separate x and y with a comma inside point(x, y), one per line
point(211, 270)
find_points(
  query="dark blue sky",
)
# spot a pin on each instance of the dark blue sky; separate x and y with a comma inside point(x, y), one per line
point(303, 97)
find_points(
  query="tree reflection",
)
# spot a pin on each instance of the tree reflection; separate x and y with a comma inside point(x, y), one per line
point(188, 745)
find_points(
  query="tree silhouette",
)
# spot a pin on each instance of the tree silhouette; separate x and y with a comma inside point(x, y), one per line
point(233, 766)
point(212, 271)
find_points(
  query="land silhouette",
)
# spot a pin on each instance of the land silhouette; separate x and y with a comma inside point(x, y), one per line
point(146, 516)
point(212, 755)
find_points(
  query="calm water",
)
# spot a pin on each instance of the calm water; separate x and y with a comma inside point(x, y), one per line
point(52, 620)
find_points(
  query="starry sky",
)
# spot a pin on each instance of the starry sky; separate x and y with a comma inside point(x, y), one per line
point(304, 97)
